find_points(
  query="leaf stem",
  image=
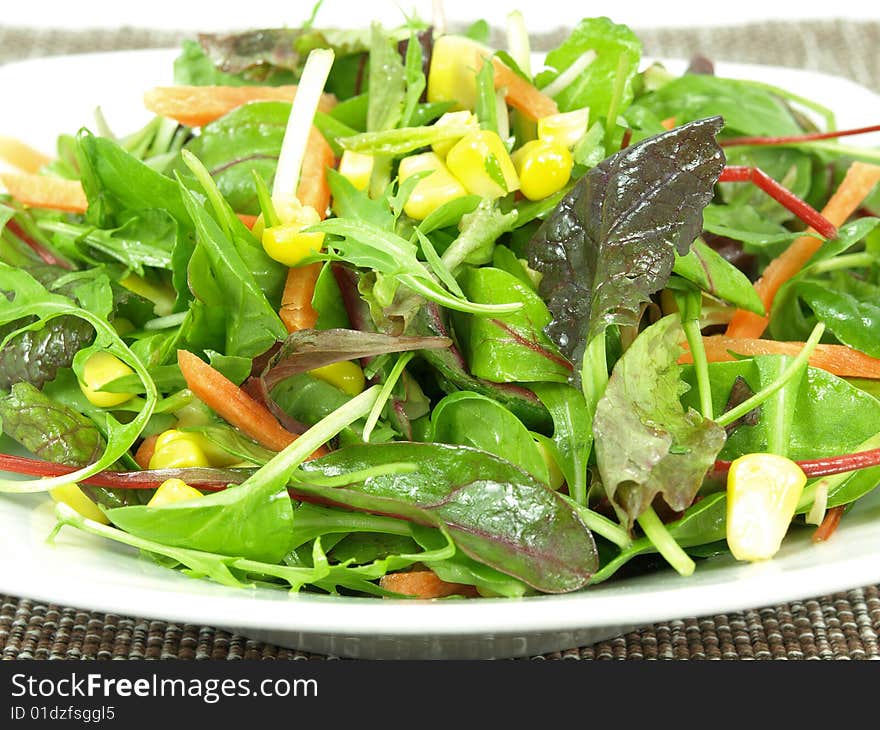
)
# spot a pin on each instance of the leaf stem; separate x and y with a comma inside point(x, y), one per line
point(600, 524)
point(666, 545)
point(791, 371)
point(385, 393)
point(701, 365)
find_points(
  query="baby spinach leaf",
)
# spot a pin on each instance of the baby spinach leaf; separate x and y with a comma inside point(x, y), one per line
point(853, 321)
point(830, 416)
point(474, 420)
point(646, 442)
point(618, 51)
point(495, 513)
point(453, 375)
point(714, 274)
point(610, 243)
point(703, 523)
point(572, 433)
point(511, 347)
point(746, 109)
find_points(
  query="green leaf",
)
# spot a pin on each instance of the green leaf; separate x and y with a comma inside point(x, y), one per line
point(36, 356)
point(478, 232)
point(853, 321)
point(610, 243)
point(495, 513)
point(220, 278)
point(646, 442)
point(387, 80)
point(509, 347)
point(572, 433)
point(715, 275)
point(617, 49)
point(471, 419)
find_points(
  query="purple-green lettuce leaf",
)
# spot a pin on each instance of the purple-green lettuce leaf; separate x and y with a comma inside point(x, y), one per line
point(646, 442)
point(310, 349)
point(35, 356)
point(495, 513)
point(611, 242)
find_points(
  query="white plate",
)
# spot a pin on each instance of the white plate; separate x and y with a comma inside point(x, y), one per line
point(48, 96)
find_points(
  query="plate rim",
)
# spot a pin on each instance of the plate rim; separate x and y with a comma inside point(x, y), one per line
point(494, 615)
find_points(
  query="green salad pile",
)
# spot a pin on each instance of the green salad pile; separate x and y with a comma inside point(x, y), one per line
point(447, 324)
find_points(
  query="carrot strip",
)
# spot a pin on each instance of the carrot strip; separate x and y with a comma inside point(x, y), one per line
point(297, 311)
point(424, 584)
point(668, 123)
point(313, 188)
point(20, 155)
point(522, 95)
point(196, 106)
point(840, 360)
point(233, 404)
point(247, 219)
point(829, 524)
point(859, 181)
point(44, 191)
point(145, 451)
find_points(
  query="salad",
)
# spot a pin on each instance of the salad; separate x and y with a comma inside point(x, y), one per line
point(392, 312)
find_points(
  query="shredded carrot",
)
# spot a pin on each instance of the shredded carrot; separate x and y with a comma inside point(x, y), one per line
point(145, 451)
point(233, 404)
point(840, 360)
point(297, 311)
point(247, 219)
point(424, 584)
point(829, 524)
point(668, 123)
point(196, 106)
point(522, 95)
point(859, 181)
point(20, 155)
point(45, 191)
point(313, 188)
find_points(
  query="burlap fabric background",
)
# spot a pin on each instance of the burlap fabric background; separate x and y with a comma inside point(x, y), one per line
point(841, 626)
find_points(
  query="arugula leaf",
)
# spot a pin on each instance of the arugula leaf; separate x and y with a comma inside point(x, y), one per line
point(402, 141)
point(220, 278)
point(478, 231)
point(610, 243)
point(495, 513)
point(618, 50)
point(474, 420)
point(646, 442)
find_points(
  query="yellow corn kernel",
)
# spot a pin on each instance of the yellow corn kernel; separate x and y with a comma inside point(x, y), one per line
point(74, 497)
point(345, 375)
point(762, 495)
point(172, 491)
point(288, 244)
point(176, 450)
point(565, 128)
point(431, 191)
point(452, 77)
point(544, 168)
point(357, 168)
point(453, 119)
point(102, 368)
point(216, 455)
point(472, 160)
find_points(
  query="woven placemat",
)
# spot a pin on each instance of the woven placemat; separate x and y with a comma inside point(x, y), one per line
point(840, 626)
